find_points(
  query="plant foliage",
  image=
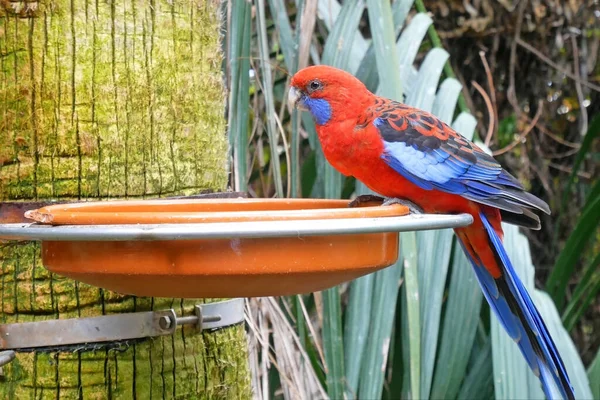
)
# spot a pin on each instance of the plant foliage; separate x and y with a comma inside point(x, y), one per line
point(416, 329)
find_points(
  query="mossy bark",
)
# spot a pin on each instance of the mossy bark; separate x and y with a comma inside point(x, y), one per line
point(110, 99)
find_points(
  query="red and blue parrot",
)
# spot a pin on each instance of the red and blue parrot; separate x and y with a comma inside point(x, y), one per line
point(405, 153)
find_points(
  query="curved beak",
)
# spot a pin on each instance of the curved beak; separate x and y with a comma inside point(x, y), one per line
point(295, 99)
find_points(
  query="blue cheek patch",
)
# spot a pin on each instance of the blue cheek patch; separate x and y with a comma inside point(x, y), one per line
point(319, 108)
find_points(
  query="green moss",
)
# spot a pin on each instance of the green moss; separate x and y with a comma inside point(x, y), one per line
point(111, 100)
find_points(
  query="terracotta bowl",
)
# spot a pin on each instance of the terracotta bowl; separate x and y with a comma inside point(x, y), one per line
point(230, 267)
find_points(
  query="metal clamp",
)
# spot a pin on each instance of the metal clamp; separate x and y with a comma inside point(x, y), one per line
point(169, 322)
point(118, 327)
point(6, 357)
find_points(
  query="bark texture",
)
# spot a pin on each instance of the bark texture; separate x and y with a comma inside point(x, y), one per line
point(110, 99)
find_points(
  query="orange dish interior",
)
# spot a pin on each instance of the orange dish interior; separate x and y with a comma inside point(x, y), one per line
point(204, 268)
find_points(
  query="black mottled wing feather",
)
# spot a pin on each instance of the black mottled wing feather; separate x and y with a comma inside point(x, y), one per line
point(432, 155)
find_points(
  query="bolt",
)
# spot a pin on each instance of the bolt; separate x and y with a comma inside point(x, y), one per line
point(5, 357)
point(211, 318)
point(164, 322)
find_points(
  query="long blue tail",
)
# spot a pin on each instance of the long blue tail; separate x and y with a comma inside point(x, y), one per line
point(514, 308)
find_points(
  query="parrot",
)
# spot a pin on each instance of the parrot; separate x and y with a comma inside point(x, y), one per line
point(408, 154)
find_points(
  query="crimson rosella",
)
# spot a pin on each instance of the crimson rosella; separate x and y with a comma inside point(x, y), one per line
point(406, 153)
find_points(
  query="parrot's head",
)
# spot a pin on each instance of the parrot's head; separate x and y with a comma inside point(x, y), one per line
point(327, 93)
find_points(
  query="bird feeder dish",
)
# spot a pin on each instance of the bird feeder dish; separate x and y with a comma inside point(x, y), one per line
point(215, 248)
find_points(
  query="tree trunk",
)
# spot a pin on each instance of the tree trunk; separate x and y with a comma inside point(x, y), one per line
point(110, 99)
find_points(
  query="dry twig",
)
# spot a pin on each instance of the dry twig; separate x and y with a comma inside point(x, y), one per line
point(584, 117)
point(490, 108)
point(493, 117)
point(307, 26)
point(581, 174)
point(512, 93)
point(551, 63)
point(522, 136)
point(311, 329)
point(543, 177)
point(467, 95)
point(555, 137)
point(564, 154)
point(287, 155)
point(267, 323)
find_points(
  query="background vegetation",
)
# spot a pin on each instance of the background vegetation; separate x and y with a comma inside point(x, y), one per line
point(115, 99)
point(522, 78)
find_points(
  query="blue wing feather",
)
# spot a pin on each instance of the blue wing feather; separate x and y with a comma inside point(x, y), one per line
point(431, 155)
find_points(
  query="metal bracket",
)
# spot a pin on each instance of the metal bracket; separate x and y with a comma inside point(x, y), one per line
point(6, 357)
point(118, 327)
point(218, 315)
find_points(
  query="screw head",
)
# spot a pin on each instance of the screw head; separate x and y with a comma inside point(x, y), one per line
point(164, 322)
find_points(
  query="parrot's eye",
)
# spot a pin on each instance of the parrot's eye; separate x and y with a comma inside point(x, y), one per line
point(314, 86)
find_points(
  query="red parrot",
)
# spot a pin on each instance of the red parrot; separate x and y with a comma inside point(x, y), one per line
point(405, 153)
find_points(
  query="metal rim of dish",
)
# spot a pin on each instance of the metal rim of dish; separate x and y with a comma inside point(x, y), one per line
point(232, 230)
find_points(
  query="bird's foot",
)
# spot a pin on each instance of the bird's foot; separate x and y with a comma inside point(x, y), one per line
point(370, 198)
point(365, 198)
point(414, 209)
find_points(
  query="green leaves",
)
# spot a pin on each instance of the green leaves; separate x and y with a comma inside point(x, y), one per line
point(337, 53)
point(333, 343)
point(267, 85)
point(586, 225)
point(386, 57)
point(586, 291)
point(594, 376)
point(513, 378)
point(356, 330)
point(433, 246)
point(464, 295)
point(416, 329)
point(376, 353)
point(585, 230)
point(413, 317)
point(458, 329)
point(238, 55)
point(338, 48)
